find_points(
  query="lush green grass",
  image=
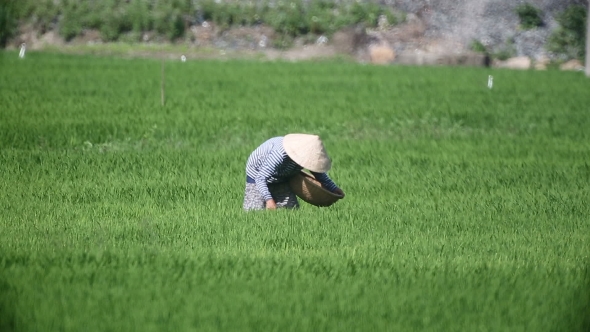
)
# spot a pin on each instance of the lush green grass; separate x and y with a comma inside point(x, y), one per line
point(467, 208)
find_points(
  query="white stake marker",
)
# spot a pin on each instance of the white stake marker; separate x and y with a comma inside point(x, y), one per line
point(490, 81)
point(23, 49)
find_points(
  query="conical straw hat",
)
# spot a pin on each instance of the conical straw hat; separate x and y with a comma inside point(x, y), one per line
point(308, 151)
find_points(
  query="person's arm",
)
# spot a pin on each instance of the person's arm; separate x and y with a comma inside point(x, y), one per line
point(262, 187)
point(268, 167)
point(327, 182)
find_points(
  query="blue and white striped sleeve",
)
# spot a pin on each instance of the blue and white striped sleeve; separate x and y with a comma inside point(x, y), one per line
point(325, 180)
point(268, 167)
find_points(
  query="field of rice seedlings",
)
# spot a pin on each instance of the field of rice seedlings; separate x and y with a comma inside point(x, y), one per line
point(467, 208)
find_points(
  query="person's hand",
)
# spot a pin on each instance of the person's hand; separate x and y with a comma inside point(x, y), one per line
point(339, 192)
point(271, 205)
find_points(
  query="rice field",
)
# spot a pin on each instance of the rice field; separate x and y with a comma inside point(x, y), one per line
point(467, 208)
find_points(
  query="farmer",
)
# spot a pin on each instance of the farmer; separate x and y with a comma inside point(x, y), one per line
point(273, 163)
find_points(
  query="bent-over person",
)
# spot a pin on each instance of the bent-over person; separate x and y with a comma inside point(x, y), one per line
point(274, 162)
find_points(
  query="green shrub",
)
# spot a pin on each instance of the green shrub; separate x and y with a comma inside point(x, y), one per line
point(46, 15)
point(43, 14)
point(393, 17)
point(176, 26)
point(94, 14)
point(283, 42)
point(71, 24)
point(117, 20)
point(568, 41)
point(529, 15)
point(508, 50)
point(368, 14)
point(226, 15)
point(139, 14)
point(320, 16)
point(223, 17)
point(168, 20)
point(477, 46)
point(288, 19)
point(8, 21)
point(363, 12)
point(207, 10)
point(246, 14)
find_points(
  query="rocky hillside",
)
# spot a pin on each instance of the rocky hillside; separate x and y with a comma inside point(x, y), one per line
point(494, 23)
point(445, 31)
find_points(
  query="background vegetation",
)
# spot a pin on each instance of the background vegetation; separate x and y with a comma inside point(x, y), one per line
point(529, 16)
point(117, 18)
point(569, 41)
point(467, 207)
point(129, 21)
point(8, 21)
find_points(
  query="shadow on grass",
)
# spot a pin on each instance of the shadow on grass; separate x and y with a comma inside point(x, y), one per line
point(580, 317)
point(7, 307)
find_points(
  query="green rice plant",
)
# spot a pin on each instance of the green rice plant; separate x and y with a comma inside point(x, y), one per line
point(466, 206)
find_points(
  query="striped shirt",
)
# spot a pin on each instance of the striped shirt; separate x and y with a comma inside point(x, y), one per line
point(269, 163)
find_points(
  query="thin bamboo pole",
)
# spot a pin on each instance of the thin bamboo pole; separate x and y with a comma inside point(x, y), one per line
point(588, 41)
point(163, 85)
